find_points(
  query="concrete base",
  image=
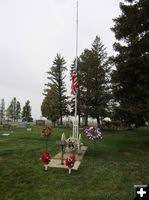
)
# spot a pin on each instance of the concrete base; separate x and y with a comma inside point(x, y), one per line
point(57, 164)
point(56, 161)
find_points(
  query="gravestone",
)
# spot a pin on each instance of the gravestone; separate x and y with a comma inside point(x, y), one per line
point(5, 134)
point(21, 125)
point(7, 126)
point(5, 122)
point(29, 129)
point(40, 122)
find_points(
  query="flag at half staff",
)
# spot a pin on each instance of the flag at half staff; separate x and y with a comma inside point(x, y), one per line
point(74, 82)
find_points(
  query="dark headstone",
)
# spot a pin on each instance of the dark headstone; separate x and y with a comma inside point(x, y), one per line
point(40, 122)
point(7, 126)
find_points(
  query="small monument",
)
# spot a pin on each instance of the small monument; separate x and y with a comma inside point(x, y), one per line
point(29, 129)
point(5, 134)
point(21, 125)
point(7, 127)
point(5, 122)
point(40, 122)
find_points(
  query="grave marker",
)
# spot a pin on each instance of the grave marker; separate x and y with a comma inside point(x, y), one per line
point(29, 129)
point(40, 122)
point(21, 125)
point(7, 127)
point(5, 134)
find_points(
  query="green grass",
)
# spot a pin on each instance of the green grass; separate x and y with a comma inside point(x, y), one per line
point(109, 169)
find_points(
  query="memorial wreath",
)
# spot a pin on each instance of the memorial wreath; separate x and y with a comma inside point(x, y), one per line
point(46, 133)
point(95, 130)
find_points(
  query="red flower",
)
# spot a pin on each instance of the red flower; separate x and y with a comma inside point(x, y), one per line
point(70, 161)
point(67, 162)
point(73, 157)
point(46, 158)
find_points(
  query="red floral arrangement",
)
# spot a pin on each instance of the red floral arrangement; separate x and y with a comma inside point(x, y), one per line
point(48, 133)
point(70, 161)
point(46, 158)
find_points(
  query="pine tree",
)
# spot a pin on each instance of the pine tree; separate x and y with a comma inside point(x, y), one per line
point(18, 110)
point(94, 72)
point(50, 105)
point(56, 77)
point(131, 77)
point(100, 81)
point(11, 110)
point(84, 71)
point(26, 113)
point(2, 110)
point(14, 107)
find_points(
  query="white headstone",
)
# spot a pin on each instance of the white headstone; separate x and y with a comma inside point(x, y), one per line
point(21, 125)
point(29, 129)
point(5, 134)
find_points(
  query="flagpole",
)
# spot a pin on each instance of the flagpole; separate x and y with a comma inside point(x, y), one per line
point(76, 63)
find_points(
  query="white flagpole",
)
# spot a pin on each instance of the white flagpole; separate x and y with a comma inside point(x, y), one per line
point(76, 63)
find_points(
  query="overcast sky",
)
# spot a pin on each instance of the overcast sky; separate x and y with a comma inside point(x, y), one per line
point(33, 31)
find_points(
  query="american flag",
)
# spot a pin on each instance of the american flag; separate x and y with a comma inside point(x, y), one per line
point(74, 82)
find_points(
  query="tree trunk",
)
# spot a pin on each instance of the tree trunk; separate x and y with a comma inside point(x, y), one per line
point(98, 121)
point(53, 123)
point(61, 120)
point(86, 120)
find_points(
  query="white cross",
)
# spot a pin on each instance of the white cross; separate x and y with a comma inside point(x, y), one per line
point(141, 192)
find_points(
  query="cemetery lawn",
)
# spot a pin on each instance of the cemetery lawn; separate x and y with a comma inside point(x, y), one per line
point(109, 169)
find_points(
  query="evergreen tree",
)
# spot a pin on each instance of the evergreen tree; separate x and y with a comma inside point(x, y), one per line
point(26, 113)
point(18, 110)
point(14, 107)
point(2, 110)
point(11, 110)
point(131, 77)
point(50, 105)
point(56, 77)
point(84, 71)
point(100, 81)
point(94, 72)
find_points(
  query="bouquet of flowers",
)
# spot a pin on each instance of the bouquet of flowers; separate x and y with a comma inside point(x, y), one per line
point(70, 162)
point(46, 159)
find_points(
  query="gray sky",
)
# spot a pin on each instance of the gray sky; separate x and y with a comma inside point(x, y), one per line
point(33, 31)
